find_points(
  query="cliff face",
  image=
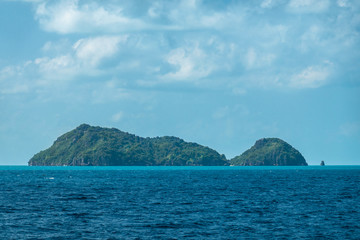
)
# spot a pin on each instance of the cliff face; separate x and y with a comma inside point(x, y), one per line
point(96, 146)
point(270, 152)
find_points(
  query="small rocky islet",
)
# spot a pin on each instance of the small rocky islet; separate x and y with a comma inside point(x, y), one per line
point(97, 146)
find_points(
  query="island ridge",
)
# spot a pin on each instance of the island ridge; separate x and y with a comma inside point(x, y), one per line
point(96, 146)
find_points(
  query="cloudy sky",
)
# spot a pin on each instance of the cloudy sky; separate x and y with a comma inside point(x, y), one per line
point(220, 73)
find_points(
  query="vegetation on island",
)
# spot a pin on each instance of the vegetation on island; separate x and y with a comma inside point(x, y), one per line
point(270, 152)
point(96, 146)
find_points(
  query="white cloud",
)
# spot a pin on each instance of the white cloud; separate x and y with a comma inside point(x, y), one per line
point(68, 16)
point(82, 58)
point(93, 50)
point(194, 16)
point(27, 1)
point(62, 63)
point(311, 77)
point(74, 16)
point(191, 64)
point(232, 44)
point(57, 47)
point(308, 6)
point(34, 74)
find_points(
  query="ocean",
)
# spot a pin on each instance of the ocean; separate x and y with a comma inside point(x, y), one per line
point(180, 202)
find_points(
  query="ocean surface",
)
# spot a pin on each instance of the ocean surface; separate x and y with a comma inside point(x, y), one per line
point(180, 202)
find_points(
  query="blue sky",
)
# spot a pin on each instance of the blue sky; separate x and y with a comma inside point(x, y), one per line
point(220, 73)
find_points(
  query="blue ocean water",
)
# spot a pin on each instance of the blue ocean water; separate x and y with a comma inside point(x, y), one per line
point(180, 202)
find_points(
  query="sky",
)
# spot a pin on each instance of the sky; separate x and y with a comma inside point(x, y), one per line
point(219, 73)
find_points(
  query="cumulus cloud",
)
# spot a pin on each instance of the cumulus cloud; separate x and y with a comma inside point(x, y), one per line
point(62, 63)
point(194, 42)
point(93, 50)
point(310, 77)
point(84, 55)
point(74, 16)
point(82, 58)
point(69, 16)
point(191, 63)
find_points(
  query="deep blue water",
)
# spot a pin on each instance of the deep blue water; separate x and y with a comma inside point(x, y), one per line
point(180, 202)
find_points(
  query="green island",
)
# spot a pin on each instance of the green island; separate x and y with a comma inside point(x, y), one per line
point(270, 152)
point(96, 146)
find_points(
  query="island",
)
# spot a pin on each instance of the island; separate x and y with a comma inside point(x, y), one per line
point(96, 146)
point(270, 152)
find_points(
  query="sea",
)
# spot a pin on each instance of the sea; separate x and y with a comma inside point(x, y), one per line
point(310, 202)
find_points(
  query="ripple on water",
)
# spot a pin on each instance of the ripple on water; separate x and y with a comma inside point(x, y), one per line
point(197, 204)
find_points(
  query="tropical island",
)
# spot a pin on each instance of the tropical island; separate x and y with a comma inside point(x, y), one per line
point(270, 152)
point(96, 146)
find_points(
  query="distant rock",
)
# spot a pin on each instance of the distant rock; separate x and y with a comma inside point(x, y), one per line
point(270, 152)
point(96, 146)
point(322, 163)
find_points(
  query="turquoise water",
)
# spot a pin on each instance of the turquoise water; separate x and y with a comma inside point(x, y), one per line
point(310, 202)
point(189, 168)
